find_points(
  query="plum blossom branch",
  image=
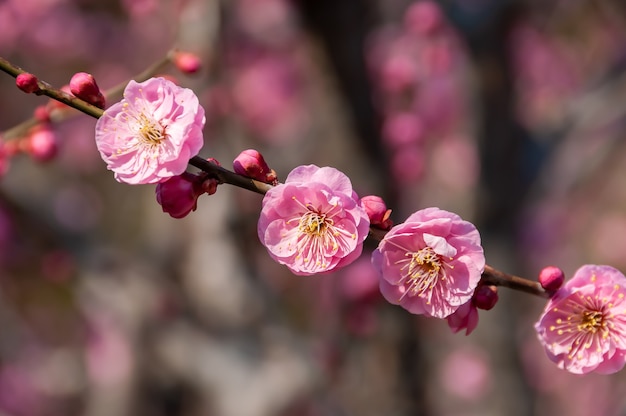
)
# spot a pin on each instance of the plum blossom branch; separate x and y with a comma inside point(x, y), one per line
point(490, 275)
point(54, 93)
point(63, 113)
point(229, 177)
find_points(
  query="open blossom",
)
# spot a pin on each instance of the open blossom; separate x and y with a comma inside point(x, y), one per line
point(431, 263)
point(313, 222)
point(152, 133)
point(583, 327)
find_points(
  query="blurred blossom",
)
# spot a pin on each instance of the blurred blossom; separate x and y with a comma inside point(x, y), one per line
point(359, 281)
point(108, 353)
point(608, 238)
point(455, 162)
point(43, 144)
point(439, 103)
point(466, 373)
point(140, 8)
point(78, 207)
point(18, 391)
point(402, 129)
point(269, 22)
point(267, 96)
point(423, 17)
point(407, 164)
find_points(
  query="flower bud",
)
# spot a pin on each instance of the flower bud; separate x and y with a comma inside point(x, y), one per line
point(42, 144)
point(42, 114)
point(178, 196)
point(27, 82)
point(377, 211)
point(485, 297)
point(83, 86)
point(551, 278)
point(250, 163)
point(187, 62)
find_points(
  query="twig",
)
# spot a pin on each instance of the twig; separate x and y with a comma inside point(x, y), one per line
point(490, 275)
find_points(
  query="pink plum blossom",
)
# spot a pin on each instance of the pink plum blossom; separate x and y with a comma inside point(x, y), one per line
point(313, 222)
point(431, 263)
point(583, 327)
point(152, 133)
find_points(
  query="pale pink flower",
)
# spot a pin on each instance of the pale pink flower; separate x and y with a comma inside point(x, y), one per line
point(313, 222)
point(431, 263)
point(152, 133)
point(583, 327)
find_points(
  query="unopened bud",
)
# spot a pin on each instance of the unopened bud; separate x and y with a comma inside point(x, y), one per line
point(178, 196)
point(27, 82)
point(42, 144)
point(83, 86)
point(377, 211)
point(485, 297)
point(551, 278)
point(187, 62)
point(42, 114)
point(250, 163)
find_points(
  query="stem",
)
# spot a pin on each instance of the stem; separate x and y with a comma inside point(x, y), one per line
point(61, 114)
point(232, 178)
point(50, 91)
point(490, 276)
point(496, 277)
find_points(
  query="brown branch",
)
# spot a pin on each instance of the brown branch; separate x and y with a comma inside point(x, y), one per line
point(54, 93)
point(490, 275)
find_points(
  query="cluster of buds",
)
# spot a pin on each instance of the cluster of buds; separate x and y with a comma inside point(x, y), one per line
point(178, 196)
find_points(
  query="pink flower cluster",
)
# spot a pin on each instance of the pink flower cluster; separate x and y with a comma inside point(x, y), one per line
point(583, 326)
point(313, 223)
point(431, 263)
point(151, 134)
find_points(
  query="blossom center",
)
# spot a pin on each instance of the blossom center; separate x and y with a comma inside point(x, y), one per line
point(314, 224)
point(150, 131)
point(591, 321)
point(422, 270)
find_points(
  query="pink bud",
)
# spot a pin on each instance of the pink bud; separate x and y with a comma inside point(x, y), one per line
point(485, 297)
point(178, 196)
point(187, 62)
point(250, 163)
point(27, 82)
point(377, 211)
point(551, 278)
point(42, 144)
point(42, 114)
point(83, 86)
